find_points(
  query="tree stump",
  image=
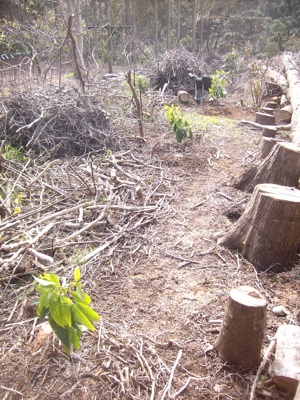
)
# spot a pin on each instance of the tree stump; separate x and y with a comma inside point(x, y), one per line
point(264, 119)
point(266, 144)
point(267, 110)
point(269, 131)
point(284, 114)
point(268, 232)
point(183, 96)
point(297, 395)
point(282, 166)
point(243, 328)
point(286, 368)
point(271, 104)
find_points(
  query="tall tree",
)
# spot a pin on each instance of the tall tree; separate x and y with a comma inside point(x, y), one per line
point(168, 23)
point(156, 29)
point(194, 22)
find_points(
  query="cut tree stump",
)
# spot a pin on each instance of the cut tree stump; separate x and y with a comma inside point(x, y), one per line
point(286, 368)
point(271, 104)
point(266, 144)
point(269, 131)
point(183, 96)
point(268, 232)
point(267, 110)
point(297, 395)
point(282, 166)
point(283, 114)
point(242, 331)
point(264, 119)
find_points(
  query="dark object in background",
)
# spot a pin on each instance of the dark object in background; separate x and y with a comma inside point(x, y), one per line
point(202, 86)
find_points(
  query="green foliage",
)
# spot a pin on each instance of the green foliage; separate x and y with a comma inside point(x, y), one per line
point(231, 61)
point(67, 307)
point(217, 90)
point(16, 154)
point(178, 124)
point(141, 83)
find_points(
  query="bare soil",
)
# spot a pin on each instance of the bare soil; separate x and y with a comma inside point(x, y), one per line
point(162, 306)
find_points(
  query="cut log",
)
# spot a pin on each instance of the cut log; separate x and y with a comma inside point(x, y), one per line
point(264, 119)
point(268, 232)
point(286, 368)
point(269, 131)
point(271, 104)
point(283, 114)
point(266, 144)
point(183, 96)
point(282, 167)
point(267, 110)
point(243, 328)
point(293, 77)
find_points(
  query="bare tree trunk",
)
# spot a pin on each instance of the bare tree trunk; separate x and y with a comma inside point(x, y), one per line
point(178, 21)
point(168, 24)
point(194, 21)
point(201, 26)
point(156, 29)
point(73, 8)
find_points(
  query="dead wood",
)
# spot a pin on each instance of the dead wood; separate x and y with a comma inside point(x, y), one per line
point(138, 104)
point(243, 327)
point(183, 96)
point(268, 232)
point(58, 124)
point(264, 119)
point(273, 169)
point(286, 368)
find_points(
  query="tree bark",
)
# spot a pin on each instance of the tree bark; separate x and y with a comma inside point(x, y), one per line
point(282, 167)
point(168, 24)
point(297, 395)
point(268, 232)
point(286, 368)
point(269, 131)
point(264, 119)
point(194, 21)
point(243, 328)
point(155, 29)
point(293, 76)
point(266, 144)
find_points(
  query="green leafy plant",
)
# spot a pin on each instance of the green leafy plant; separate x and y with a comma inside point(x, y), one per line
point(67, 308)
point(13, 153)
point(218, 85)
point(178, 124)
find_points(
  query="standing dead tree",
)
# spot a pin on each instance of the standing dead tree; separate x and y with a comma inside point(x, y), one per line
point(138, 103)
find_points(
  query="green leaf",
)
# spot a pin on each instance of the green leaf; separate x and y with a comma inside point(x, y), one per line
point(44, 282)
point(77, 274)
point(43, 312)
point(89, 312)
point(60, 312)
point(63, 334)
point(80, 297)
point(79, 317)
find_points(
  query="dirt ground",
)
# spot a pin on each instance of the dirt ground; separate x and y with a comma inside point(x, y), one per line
point(161, 308)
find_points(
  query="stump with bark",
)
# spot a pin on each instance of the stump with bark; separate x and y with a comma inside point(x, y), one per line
point(282, 167)
point(264, 119)
point(286, 368)
point(266, 144)
point(268, 232)
point(243, 327)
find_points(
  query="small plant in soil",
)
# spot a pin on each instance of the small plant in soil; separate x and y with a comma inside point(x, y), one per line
point(217, 90)
point(67, 308)
point(178, 124)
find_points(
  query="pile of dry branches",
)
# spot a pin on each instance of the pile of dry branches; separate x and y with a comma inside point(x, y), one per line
point(175, 67)
point(57, 123)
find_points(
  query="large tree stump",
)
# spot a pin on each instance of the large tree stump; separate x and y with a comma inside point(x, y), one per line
point(297, 395)
point(268, 232)
point(266, 144)
point(282, 166)
point(284, 114)
point(269, 131)
point(243, 328)
point(286, 368)
point(264, 119)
